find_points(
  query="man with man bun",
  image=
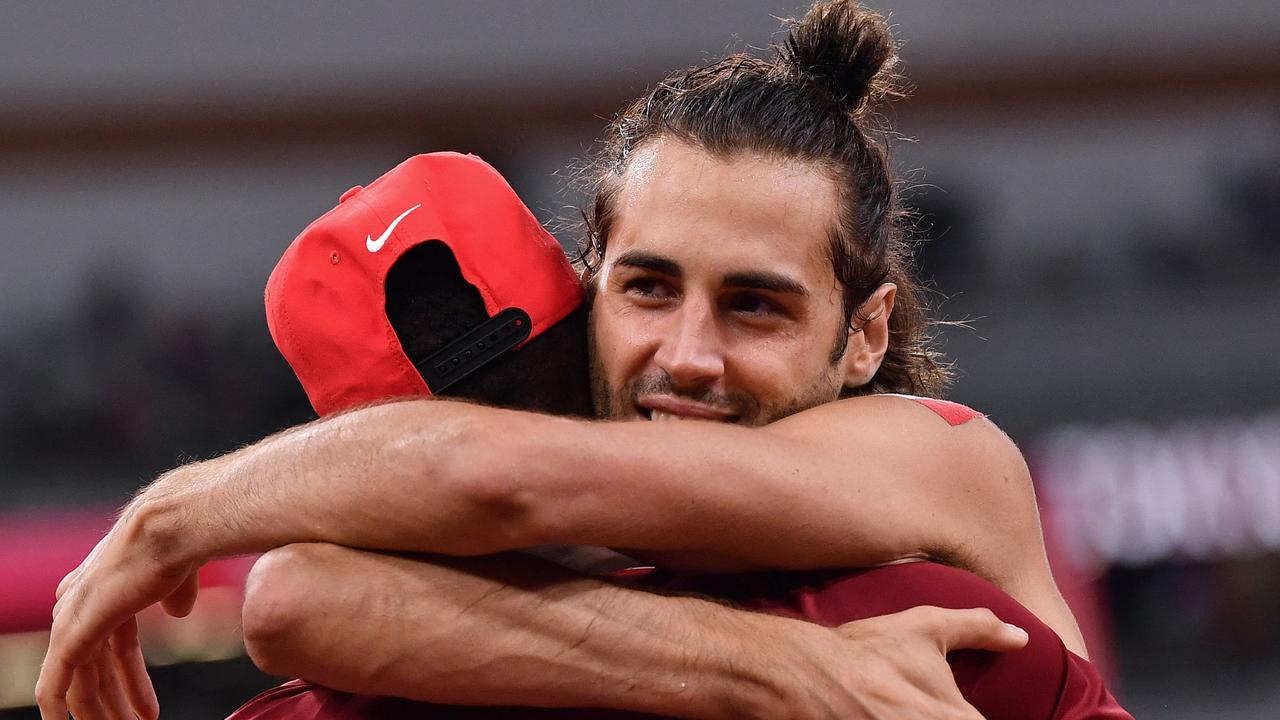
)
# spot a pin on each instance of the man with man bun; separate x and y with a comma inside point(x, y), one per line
point(745, 268)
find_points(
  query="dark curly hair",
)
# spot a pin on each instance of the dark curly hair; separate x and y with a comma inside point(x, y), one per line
point(812, 102)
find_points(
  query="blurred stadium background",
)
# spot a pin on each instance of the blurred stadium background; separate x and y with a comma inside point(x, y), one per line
point(1099, 183)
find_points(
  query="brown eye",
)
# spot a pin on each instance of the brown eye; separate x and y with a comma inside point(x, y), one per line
point(648, 288)
point(753, 305)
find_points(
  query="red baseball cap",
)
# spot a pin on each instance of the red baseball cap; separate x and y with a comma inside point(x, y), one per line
point(326, 300)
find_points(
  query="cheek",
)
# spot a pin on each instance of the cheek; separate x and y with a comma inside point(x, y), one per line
point(621, 339)
point(782, 367)
point(772, 366)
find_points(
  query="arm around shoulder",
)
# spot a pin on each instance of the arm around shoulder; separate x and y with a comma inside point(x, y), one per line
point(854, 483)
point(508, 630)
point(501, 630)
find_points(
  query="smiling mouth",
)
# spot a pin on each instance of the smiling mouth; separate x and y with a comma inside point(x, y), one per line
point(671, 411)
point(661, 416)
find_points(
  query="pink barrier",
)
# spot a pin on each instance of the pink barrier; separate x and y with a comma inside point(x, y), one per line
point(38, 548)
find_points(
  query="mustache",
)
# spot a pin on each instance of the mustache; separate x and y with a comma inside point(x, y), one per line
point(739, 404)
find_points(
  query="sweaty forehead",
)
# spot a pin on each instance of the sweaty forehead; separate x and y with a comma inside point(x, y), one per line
point(734, 213)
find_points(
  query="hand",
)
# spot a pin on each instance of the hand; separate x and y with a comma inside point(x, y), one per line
point(895, 666)
point(94, 666)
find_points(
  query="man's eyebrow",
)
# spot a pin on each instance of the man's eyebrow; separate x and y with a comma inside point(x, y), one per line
point(759, 280)
point(748, 280)
point(649, 261)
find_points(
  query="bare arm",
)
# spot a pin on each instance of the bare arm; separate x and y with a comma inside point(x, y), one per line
point(495, 630)
point(853, 483)
point(512, 630)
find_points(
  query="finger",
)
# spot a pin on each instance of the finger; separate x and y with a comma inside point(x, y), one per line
point(52, 687)
point(973, 629)
point(132, 669)
point(71, 641)
point(180, 601)
point(90, 613)
point(83, 695)
point(110, 692)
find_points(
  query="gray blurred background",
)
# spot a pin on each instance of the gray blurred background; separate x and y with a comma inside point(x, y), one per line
point(1099, 192)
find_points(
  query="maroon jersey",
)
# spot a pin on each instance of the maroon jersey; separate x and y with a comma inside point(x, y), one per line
point(1043, 681)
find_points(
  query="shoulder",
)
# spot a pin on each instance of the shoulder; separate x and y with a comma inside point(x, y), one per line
point(952, 412)
point(932, 430)
point(895, 411)
point(1020, 684)
point(953, 467)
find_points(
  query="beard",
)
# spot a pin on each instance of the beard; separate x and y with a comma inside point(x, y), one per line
point(622, 402)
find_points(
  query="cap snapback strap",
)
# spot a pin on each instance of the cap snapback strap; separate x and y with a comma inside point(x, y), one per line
point(475, 349)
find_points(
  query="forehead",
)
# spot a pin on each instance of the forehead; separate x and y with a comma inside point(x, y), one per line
point(724, 215)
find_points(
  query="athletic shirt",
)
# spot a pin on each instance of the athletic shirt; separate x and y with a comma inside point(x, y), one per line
point(1042, 681)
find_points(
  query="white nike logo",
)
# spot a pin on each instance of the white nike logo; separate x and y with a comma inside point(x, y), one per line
point(376, 245)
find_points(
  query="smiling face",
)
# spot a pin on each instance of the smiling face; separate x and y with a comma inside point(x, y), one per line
point(716, 297)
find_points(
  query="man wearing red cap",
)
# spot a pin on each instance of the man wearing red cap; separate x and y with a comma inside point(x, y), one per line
point(746, 272)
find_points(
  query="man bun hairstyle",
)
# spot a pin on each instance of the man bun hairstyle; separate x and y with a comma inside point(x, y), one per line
point(847, 49)
point(814, 101)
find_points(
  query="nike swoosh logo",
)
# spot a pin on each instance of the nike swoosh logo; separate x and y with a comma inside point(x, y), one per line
point(376, 245)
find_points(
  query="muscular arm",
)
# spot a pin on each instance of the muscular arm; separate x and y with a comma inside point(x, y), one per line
point(498, 630)
point(512, 630)
point(853, 483)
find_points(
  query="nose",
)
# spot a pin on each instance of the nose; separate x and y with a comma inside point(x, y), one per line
point(692, 352)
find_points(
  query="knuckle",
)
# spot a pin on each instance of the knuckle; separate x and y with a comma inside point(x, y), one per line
point(982, 617)
point(45, 695)
point(928, 617)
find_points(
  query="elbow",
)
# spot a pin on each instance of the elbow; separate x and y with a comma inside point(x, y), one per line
point(278, 595)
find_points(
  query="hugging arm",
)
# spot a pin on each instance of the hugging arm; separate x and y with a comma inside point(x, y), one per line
point(833, 486)
point(513, 630)
point(849, 484)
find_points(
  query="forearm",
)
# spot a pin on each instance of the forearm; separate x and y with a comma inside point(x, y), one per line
point(432, 476)
point(460, 479)
point(398, 476)
point(506, 630)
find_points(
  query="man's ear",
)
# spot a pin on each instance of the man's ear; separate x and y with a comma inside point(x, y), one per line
point(869, 337)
